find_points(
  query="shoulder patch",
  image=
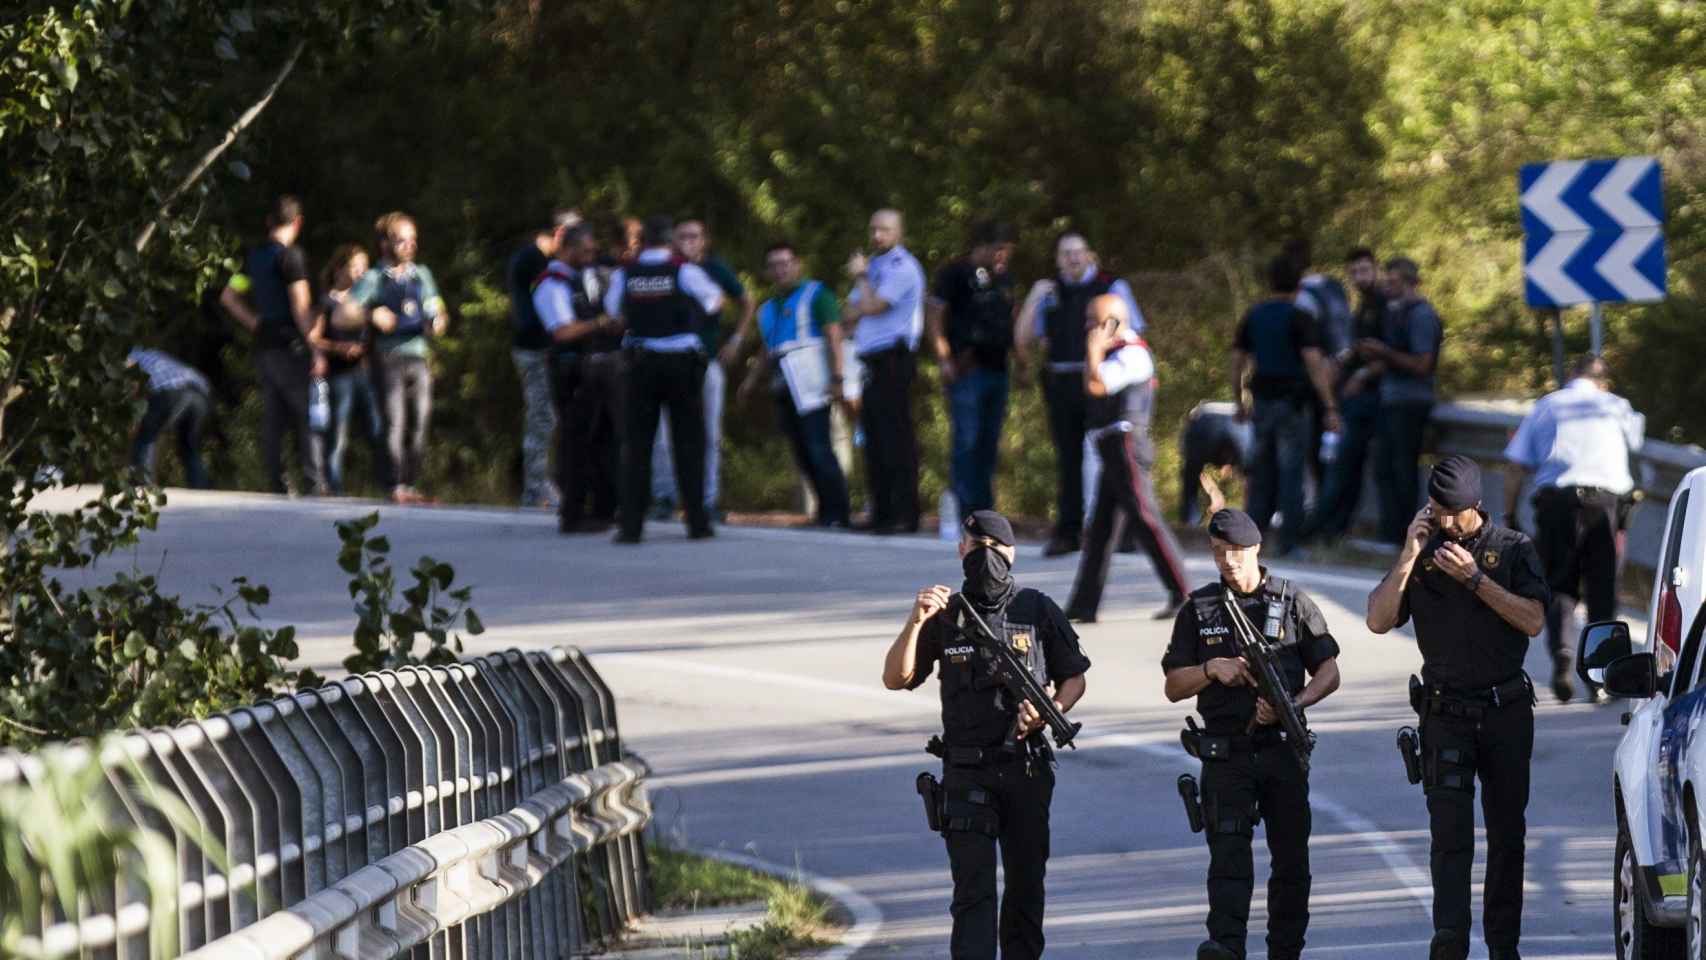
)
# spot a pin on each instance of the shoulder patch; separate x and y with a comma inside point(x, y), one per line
point(1490, 559)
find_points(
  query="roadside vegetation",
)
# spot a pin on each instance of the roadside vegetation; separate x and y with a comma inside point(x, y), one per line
point(798, 920)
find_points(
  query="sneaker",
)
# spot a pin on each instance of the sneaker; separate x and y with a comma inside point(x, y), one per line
point(1562, 688)
point(1061, 544)
point(1169, 611)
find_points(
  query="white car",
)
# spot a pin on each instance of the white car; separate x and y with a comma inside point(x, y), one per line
point(1659, 773)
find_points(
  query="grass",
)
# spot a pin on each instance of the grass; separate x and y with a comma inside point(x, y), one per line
point(796, 918)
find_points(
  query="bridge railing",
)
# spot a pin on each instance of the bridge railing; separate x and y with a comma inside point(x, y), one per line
point(481, 809)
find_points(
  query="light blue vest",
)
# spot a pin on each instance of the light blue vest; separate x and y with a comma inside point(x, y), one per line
point(786, 324)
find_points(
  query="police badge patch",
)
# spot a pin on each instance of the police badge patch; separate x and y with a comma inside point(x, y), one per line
point(1490, 559)
point(1022, 642)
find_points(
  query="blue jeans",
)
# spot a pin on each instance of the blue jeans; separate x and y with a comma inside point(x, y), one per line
point(352, 397)
point(1276, 469)
point(185, 410)
point(1336, 507)
point(977, 407)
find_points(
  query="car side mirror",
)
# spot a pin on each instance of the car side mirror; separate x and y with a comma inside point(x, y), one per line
point(1601, 644)
point(1633, 677)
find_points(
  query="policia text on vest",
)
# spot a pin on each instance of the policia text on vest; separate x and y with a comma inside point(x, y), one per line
point(997, 768)
point(1251, 772)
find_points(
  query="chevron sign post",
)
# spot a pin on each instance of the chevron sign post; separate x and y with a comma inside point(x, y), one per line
point(1593, 233)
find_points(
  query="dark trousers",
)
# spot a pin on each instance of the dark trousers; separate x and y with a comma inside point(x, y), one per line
point(1498, 749)
point(891, 440)
point(353, 402)
point(590, 393)
point(184, 410)
point(1020, 805)
point(1576, 533)
point(282, 374)
point(1277, 464)
point(404, 384)
point(656, 382)
point(1336, 507)
point(977, 408)
point(1063, 393)
point(814, 455)
point(1124, 496)
point(1397, 451)
point(1270, 786)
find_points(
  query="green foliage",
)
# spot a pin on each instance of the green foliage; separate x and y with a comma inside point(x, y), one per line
point(65, 847)
point(796, 915)
point(122, 655)
point(386, 631)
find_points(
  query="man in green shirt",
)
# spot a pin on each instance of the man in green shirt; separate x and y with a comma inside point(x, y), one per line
point(405, 308)
point(801, 329)
point(692, 244)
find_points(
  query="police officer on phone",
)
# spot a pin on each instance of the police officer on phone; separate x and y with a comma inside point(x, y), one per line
point(997, 769)
point(1249, 772)
point(1477, 593)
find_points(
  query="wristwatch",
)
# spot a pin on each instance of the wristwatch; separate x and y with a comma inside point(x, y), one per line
point(1474, 582)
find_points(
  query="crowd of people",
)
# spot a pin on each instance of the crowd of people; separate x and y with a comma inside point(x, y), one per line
point(627, 352)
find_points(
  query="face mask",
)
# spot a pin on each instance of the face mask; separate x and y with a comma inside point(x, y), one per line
point(989, 577)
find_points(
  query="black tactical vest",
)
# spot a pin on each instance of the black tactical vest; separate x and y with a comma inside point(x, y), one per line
point(654, 304)
point(1064, 317)
point(587, 299)
point(1227, 710)
point(977, 711)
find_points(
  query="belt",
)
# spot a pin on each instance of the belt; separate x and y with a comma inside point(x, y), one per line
point(1580, 494)
point(1515, 690)
point(955, 756)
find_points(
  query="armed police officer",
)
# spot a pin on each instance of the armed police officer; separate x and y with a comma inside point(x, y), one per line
point(1477, 594)
point(1250, 772)
point(998, 771)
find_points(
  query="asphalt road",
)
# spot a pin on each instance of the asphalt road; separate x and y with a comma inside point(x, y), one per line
point(748, 673)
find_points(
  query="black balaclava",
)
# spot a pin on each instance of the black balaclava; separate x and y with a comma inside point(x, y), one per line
point(989, 578)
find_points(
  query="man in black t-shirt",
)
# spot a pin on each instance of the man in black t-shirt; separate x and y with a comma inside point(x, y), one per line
point(997, 768)
point(272, 300)
point(1250, 773)
point(970, 318)
point(1278, 348)
point(531, 350)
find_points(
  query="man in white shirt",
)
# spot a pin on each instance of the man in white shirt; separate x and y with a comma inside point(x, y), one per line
point(1576, 442)
point(664, 303)
point(886, 313)
point(1119, 384)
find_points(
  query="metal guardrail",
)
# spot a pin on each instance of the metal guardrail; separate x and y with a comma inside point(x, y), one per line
point(1481, 428)
point(481, 809)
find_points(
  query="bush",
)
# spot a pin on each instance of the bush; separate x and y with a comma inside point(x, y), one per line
point(385, 635)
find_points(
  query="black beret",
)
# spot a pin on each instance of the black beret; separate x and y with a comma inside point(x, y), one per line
point(1455, 483)
point(1234, 527)
point(988, 523)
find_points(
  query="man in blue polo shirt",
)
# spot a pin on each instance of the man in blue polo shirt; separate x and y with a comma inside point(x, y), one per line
point(886, 311)
point(663, 301)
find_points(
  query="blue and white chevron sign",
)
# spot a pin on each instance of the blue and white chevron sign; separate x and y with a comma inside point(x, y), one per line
point(1593, 231)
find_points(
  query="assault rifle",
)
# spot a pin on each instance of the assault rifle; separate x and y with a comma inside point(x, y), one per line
point(1262, 655)
point(1014, 674)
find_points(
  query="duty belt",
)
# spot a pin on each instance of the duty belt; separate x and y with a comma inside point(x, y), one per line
point(1471, 702)
point(980, 756)
point(1211, 746)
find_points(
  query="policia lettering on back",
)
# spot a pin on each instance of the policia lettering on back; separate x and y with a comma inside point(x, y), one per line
point(1250, 773)
point(1477, 594)
point(997, 767)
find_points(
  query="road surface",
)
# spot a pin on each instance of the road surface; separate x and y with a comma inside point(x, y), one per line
point(748, 673)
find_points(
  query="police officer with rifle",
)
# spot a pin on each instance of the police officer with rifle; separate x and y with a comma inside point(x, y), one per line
point(1242, 647)
point(1477, 593)
point(998, 650)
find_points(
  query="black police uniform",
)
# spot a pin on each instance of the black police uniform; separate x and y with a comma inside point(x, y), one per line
point(1063, 321)
point(655, 306)
point(1477, 719)
point(589, 386)
point(1260, 780)
point(996, 790)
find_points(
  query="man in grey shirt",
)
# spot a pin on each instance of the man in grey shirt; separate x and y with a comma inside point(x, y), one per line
point(1408, 353)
